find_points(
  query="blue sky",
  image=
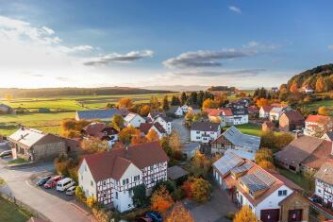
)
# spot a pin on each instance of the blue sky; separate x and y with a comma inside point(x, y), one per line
point(139, 43)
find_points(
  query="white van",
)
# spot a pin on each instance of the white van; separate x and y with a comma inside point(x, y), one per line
point(64, 184)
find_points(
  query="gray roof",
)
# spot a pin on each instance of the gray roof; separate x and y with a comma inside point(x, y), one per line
point(176, 172)
point(227, 162)
point(188, 147)
point(237, 138)
point(329, 135)
point(98, 114)
point(205, 126)
point(27, 137)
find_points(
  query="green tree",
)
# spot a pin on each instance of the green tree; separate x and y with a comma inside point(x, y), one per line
point(183, 98)
point(154, 103)
point(139, 196)
point(165, 105)
point(175, 101)
point(117, 122)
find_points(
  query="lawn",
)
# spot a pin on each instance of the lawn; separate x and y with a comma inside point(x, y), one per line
point(11, 213)
point(250, 129)
point(298, 179)
point(315, 105)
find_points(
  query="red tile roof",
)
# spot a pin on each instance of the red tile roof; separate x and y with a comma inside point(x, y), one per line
point(219, 112)
point(267, 108)
point(294, 116)
point(145, 127)
point(317, 119)
point(114, 163)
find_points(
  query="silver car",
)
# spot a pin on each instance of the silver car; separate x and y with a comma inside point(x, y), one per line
point(70, 191)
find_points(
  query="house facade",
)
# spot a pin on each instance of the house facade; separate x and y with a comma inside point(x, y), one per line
point(275, 113)
point(134, 120)
point(34, 145)
point(165, 122)
point(101, 131)
point(204, 132)
point(110, 177)
point(324, 183)
point(264, 192)
point(317, 125)
point(291, 120)
point(264, 112)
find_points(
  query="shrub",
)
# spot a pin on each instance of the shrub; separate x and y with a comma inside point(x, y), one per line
point(80, 194)
point(102, 215)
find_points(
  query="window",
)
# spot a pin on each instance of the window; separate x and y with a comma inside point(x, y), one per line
point(136, 178)
point(282, 193)
point(117, 195)
point(91, 183)
point(319, 191)
point(125, 181)
point(198, 132)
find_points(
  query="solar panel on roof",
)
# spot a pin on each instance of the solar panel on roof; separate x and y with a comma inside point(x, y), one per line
point(227, 162)
point(243, 168)
point(253, 183)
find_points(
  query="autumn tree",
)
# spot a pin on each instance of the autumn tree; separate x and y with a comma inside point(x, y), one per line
point(165, 105)
point(125, 135)
point(175, 143)
point(209, 103)
point(94, 145)
point(144, 110)
point(161, 200)
point(193, 98)
point(320, 85)
point(294, 88)
point(154, 103)
point(275, 141)
point(263, 154)
point(197, 188)
point(323, 111)
point(72, 128)
point(200, 164)
point(175, 101)
point(245, 215)
point(262, 102)
point(179, 214)
point(125, 103)
point(152, 136)
point(117, 122)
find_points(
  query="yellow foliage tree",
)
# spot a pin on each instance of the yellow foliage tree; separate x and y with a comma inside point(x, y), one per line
point(152, 136)
point(126, 134)
point(125, 103)
point(209, 103)
point(245, 215)
point(320, 84)
point(267, 165)
point(161, 200)
point(262, 102)
point(179, 214)
point(144, 110)
point(323, 111)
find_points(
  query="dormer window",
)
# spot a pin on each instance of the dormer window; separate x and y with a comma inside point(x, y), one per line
point(282, 193)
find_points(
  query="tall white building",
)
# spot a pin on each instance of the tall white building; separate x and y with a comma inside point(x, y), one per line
point(109, 177)
point(324, 183)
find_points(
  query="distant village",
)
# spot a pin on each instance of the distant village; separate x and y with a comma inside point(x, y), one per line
point(269, 159)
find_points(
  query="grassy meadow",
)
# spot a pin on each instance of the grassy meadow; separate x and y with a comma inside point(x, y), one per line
point(10, 212)
point(61, 108)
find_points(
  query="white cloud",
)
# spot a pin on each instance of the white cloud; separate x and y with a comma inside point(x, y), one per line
point(235, 9)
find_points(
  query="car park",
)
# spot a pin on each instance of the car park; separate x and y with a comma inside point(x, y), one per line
point(155, 216)
point(70, 191)
point(52, 182)
point(64, 184)
point(42, 180)
point(5, 153)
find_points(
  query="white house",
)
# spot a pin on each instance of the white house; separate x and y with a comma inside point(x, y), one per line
point(205, 132)
point(275, 113)
point(264, 111)
point(134, 119)
point(224, 116)
point(324, 183)
point(317, 125)
point(158, 128)
point(185, 108)
point(240, 115)
point(176, 110)
point(266, 194)
point(109, 177)
point(165, 122)
point(232, 139)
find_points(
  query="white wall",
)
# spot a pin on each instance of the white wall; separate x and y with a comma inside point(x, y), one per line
point(85, 180)
point(166, 125)
point(243, 119)
point(136, 121)
point(197, 136)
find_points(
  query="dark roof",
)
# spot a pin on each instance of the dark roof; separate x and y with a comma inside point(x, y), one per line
point(294, 116)
point(176, 172)
point(205, 126)
point(98, 114)
point(240, 111)
point(99, 130)
point(145, 127)
point(114, 163)
point(269, 124)
point(159, 127)
point(156, 113)
point(329, 135)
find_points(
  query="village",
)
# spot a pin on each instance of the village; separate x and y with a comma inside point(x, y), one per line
point(196, 156)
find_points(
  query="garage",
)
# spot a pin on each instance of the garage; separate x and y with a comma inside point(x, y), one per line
point(271, 215)
point(295, 215)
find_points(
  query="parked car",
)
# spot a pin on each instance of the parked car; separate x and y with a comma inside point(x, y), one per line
point(52, 182)
point(144, 219)
point(5, 153)
point(64, 184)
point(155, 216)
point(70, 191)
point(42, 181)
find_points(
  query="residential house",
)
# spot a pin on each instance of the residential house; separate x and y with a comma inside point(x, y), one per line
point(134, 120)
point(5, 109)
point(274, 89)
point(324, 183)
point(185, 108)
point(307, 89)
point(224, 116)
point(304, 154)
point(153, 114)
point(232, 139)
point(101, 131)
point(205, 132)
point(176, 111)
point(110, 177)
point(240, 115)
point(267, 126)
point(264, 112)
point(275, 113)
point(270, 196)
point(158, 128)
point(317, 125)
point(165, 122)
point(97, 114)
point(328, 136)
point(189, 149)
point(253, 112)
point(34, 145)
point(291, 120)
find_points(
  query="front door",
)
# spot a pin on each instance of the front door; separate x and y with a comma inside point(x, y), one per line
point(271, 215)
point(295, 215)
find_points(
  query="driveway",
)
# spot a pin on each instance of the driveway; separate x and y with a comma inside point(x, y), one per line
point(53, 207)
point(179, 127)
point(214, 210)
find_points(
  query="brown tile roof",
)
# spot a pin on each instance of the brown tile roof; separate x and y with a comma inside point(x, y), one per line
point(93, 129)
point(159, 127)
point(306, 150)
point(114, 163)
point(317, 119)
point(325, 172)
point(145, 127)
point(294, 116)
point(267, 108)
point(219, 112)
point(319, 156)
point(205, 126)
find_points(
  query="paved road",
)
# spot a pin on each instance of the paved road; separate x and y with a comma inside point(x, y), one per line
point(179, 127)
point(53, 207)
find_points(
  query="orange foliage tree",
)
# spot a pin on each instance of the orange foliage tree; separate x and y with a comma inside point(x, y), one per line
point(209, 103)
point(125, 103)
point(197, 189)
point(323, 111)
point(152, 136)
point(179, 214)
point(126, 134)
point(294, 88)
point(161, 200)
point(245, 215)
point(262, 102)
point(144, 110)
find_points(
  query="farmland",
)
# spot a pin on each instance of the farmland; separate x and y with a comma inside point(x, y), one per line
point(58, 109)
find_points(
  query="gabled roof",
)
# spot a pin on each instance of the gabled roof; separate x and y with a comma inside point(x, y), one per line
point(276, 110)
point(237, 138)
point(98, 114)
point(129, 117)
point(156, 113)
point(99, 130)
point(318, 119)
point(159, 127)
point(27, 137)
point(293, 115)
point(227, 162)
point(176, 172)
point(145, 127)
point(266, 108)
point(219, 112)
point(113, 164)
point(325, 172)
point(173, 109)
point(205, 126)
point(300, 149)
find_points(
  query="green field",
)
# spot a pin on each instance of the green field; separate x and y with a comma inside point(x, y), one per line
point(11, 213)
point(61, 108)
point(310, 107)
point(250, 129)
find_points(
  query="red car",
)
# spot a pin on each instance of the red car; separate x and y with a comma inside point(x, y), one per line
point(52, 182)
